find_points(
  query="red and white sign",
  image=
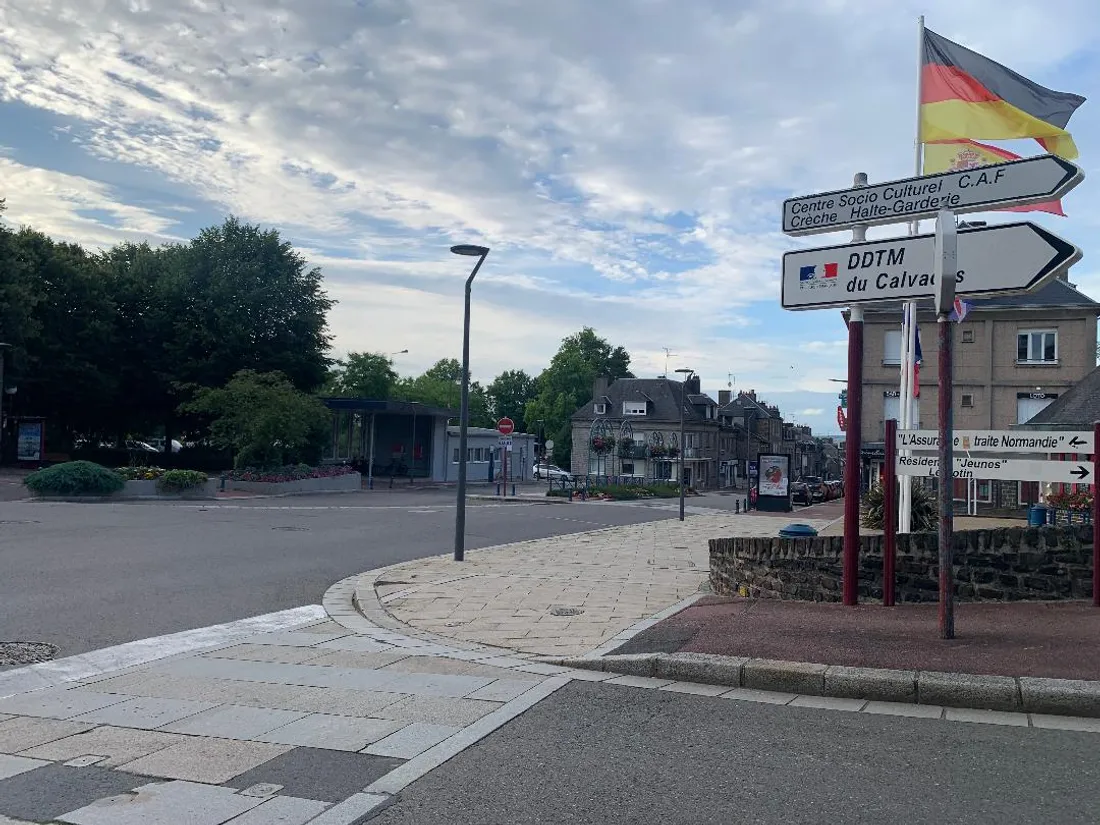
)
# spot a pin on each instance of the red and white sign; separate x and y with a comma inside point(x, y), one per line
point(506, 426)
point(841, 421)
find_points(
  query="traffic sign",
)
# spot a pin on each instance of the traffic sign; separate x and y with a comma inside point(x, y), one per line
point(1000, 441)
point(1031, 180)
point(1007, 258)
point(991, 467)
point(505, 442)
point(549, 444)
point(506, 426)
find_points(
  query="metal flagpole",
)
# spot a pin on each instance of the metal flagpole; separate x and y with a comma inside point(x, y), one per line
point(909, 329)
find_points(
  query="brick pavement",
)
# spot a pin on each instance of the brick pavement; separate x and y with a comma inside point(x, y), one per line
point(559, 596)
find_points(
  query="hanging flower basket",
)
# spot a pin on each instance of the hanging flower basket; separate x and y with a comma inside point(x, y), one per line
point(658, 451)
point(602, 444)
point(673, 452)
point(626, 448)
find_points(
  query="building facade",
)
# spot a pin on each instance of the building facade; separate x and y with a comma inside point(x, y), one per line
point(1013, 356)
point(631, 430)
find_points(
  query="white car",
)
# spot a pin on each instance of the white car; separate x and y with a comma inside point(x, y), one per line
point(552, 472)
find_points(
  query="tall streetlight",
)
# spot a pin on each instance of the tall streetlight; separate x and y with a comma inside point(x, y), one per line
point(479, 252)
point(2, 348)
point(683, 448)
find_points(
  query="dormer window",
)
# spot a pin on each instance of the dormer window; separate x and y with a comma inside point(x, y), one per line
point(599, 409)
point(634, 408)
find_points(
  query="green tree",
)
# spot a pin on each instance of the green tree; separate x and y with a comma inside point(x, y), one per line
point(441, 386)
point(264, 419)
point(567, 384)
point(362, 375)
point(508, 395)
point(242, 298)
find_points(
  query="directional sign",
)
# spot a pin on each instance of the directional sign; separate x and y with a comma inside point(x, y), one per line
point(1000, 441)
point(990, 467)
point(1011, 257)
point(505, 442)
point(1031, 180)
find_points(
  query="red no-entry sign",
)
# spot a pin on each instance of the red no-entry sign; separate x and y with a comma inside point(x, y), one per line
point(506, 426)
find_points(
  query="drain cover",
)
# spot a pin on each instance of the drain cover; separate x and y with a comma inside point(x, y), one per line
point(26, 653)
point(566, 611)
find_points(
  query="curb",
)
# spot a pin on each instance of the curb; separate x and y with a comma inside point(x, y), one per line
point(1019, 694)
point(517, 499)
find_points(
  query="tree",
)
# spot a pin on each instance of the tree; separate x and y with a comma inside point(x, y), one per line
point(362, 375)
point(242, 298)
point(441, 386)
point(508, 395)
point(264, 419)
point(567, 384)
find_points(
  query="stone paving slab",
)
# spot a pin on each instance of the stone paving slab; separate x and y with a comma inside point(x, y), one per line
point(558, 596)
point(21, 732)
point(204, 759)
point(117, 745)
point(163, 804)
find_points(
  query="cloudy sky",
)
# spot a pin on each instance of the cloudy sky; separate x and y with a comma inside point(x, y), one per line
point(625, 159)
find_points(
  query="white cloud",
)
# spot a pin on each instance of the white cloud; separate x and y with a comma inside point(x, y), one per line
point(625, 160)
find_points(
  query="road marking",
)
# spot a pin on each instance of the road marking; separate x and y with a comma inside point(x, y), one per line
point(143, 651)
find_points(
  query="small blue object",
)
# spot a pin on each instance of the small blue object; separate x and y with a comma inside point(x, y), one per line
point(1037, 515)
point(797, 531)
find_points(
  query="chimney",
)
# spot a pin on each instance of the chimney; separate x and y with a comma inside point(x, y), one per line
point(751, 394)
point(692, 385)
point(724, 397)
point(599, 386)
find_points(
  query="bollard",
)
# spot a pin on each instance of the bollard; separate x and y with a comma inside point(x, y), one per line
point(570, 495)
point(498, 489)
point(513, 491)
point(737, 505)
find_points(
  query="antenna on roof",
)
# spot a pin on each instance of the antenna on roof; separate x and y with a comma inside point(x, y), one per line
point(729, 380)
point(668, 352)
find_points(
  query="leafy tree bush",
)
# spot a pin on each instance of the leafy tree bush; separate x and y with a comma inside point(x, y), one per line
point(75, 478)
point(176, 481)
point(264, 420)
point(925, 513)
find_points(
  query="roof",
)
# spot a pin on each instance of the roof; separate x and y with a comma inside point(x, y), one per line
point(486, 431)
point(1078, 406)
point(662, 395)
point(742, 403)
point(392, 407)
point(1055, 293)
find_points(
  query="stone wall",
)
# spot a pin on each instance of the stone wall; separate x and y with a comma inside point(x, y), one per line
point(1007, 564)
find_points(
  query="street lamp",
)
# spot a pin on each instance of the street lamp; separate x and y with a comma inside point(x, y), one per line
point(3, 347)
point(400, 352)
point(479, 252)
point(683, 447)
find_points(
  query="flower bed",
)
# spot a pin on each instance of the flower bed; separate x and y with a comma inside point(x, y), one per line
point(296, 479)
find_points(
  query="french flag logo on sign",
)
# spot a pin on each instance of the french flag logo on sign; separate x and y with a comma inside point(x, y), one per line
point(807, 273)
point(830, 270)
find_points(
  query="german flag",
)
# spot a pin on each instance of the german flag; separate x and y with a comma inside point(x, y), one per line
point(955, 155)
point(967, 95)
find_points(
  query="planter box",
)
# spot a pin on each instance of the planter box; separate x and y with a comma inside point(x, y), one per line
point(148, 489)
point(346, 483)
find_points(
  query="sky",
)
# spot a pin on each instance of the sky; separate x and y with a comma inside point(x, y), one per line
point(625, 160)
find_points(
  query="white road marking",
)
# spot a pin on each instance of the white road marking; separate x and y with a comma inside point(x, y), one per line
point(143, 651)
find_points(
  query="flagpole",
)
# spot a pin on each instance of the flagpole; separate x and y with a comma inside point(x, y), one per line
point(909, 327)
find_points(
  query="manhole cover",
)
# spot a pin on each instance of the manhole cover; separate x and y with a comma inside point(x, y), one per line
point(292, 529)
point(566, 611)
point(26, 653)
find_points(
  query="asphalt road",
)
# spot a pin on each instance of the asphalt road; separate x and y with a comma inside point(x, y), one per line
point(86, 576)
point(605, 755)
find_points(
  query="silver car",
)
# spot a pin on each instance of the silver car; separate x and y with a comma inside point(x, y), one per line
point(553, 472)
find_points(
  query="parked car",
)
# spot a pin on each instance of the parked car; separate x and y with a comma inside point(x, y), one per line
point(836, 489)
point(818, 490)
point(800, 493)
point(553, 472)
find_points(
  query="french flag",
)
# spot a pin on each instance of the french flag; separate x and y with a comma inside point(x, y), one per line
point(962, 309)
point(916, 368)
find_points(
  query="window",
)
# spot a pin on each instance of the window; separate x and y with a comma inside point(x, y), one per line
point(455, 459)
point(967, 399)
point(1037, 347)
point(634, 408)
point(968, 336)
point(469, 454)
point(891, 350)
point(1029, 406)
point(980, 491)
point(628, 468)
point(599, 409)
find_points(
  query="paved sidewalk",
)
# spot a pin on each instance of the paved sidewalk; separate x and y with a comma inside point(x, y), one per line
point(313, 723)
point(559, 596)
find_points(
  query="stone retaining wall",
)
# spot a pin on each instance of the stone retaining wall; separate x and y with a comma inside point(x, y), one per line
point(1006, 564)
point(347, 482)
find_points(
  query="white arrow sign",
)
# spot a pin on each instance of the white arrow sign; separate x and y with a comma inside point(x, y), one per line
point(1031, 180)
point(1066, 472)
point(1011, 257)
point(1000, 441)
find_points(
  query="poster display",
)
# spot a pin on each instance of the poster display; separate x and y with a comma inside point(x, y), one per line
point(773, 486)
point(28, 442)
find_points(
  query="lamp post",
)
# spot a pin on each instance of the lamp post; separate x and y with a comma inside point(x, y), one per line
point(3, 347)
point(479, 252)
point(683, 447)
